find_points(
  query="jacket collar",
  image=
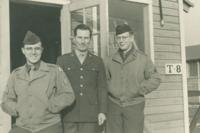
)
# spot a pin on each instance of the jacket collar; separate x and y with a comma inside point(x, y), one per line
point(87, 60)
point(132, 56)
point(43, 68)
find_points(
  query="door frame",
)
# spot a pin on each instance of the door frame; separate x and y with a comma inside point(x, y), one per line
point(43, 2)
point(148, 26)
point(184, 69)
point(4, 59)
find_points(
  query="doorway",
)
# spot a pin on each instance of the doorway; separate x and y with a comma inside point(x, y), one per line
point(42, 20)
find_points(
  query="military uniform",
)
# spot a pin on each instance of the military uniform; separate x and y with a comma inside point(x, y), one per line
point(88, 81)
point(129, 80)
point(37, 102)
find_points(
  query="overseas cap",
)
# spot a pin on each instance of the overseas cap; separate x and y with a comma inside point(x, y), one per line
point(123, 28)
point(31, 38)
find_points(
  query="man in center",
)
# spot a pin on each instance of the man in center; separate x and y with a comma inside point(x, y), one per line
point(86, 73)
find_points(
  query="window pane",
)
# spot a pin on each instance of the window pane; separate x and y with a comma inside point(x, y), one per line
point(90, 17)
point(193, 68)
point(131, 13)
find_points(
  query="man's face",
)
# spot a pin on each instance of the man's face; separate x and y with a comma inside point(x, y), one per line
point(82, 40)
point(124, 40)
point(33, 53)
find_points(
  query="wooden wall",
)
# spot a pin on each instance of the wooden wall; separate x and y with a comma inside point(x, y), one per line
point(164, 107)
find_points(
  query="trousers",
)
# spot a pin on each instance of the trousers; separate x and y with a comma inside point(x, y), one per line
point(81, 127)
point(129, 119)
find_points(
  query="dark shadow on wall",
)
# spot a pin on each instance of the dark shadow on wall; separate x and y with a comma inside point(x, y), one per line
point(42, 20)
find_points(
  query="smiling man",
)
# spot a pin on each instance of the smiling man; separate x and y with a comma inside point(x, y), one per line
point(36, 92)
point(86, 73)
point(131, 75)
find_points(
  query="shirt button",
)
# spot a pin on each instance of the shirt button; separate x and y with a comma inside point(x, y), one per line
point(81, 85)
point(81, 69)
point(81, 94)
point(81, 77)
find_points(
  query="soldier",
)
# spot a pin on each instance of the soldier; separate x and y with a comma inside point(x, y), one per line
point(86, 73)
point(131, 75)
point(36, 92)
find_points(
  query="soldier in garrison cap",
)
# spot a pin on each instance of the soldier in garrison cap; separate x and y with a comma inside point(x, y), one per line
point(131, 75)
point(36, 92)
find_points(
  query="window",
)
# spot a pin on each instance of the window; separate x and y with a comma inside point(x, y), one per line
point(193, 69)
point(137, 15)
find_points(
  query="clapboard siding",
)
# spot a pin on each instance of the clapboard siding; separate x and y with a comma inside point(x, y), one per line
point(166, 33)
point(164, 107)
point(166, 40)
point(169, 19)
point(167, 26)
point(171, 78)
point(171, 130)
point(170, 86)
point(166, 48)
point(167, 55)
point(166, 11)
point(164, 101)
point(165, 117)
point(166, 4)
point(161, 62)
point(168, 124)
point(165, 94)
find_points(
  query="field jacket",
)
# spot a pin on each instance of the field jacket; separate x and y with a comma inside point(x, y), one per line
point(131, 79)
point(37, 102)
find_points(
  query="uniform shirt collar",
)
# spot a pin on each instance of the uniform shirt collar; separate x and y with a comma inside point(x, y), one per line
point(81, 54)
point(34, 67)
point(125, 55)
point(39, 66)
point(130, 57)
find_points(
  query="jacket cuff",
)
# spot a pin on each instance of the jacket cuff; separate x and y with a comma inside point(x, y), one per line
point(143, 90)
point(10, 110)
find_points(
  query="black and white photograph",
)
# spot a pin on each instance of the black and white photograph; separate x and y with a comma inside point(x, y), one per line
point(99, 66)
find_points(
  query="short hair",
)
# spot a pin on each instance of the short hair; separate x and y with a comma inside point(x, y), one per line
point(123, 28)
point(82, 27)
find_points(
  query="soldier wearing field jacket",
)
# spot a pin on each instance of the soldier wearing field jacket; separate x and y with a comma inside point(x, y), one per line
point(131, 75)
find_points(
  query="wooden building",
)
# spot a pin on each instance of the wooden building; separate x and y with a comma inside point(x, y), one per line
point(158, 27)
point(193, 78)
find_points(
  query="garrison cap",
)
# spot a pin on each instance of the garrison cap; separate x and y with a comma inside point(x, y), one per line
point(31, 38)
point(123, 28)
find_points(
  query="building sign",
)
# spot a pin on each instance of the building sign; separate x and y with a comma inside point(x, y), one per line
point(173, 68)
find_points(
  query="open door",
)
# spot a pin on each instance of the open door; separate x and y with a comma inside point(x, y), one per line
point(92, 13)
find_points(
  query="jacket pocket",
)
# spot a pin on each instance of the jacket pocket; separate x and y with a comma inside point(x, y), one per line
point(92, 72)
